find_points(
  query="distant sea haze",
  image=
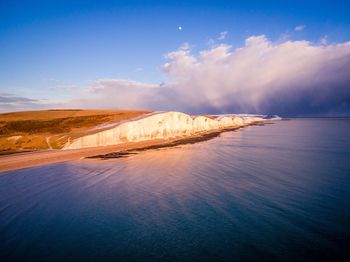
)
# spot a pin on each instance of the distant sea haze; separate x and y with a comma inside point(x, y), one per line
point(277, 192)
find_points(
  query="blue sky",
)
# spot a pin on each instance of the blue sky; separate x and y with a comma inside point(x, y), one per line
point(46, 45)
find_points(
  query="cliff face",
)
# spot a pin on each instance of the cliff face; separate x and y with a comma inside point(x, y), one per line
point(159, 125)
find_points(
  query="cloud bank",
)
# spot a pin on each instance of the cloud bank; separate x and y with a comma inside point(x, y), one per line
point(122, 94)
point(11, 102)
point(299, 28)
point(290, 78)
point(222, 35)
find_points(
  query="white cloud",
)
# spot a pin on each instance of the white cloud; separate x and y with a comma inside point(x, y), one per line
point(290, 77)
point(185, 46)
point(211, 43)
point(284, 37)
point(101, 85)
point(222, 35)
point(299, 28)
point(324, 40)
point(285, 77)
point(262, 76)
point(119, 94)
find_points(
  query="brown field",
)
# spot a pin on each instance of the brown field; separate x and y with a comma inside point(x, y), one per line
point(51, 129)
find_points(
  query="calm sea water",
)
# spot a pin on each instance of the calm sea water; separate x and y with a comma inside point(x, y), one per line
point(274, 192)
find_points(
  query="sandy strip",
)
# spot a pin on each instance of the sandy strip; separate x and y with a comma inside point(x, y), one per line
point(38, 158)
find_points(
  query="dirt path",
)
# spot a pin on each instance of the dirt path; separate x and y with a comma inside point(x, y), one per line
point(48, 142)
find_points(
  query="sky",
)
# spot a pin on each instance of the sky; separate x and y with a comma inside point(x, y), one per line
point(290, 58)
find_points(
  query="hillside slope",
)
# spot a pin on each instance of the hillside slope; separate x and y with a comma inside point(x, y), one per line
point(51, 129)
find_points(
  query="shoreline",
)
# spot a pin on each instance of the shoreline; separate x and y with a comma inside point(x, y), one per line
point(23, 160)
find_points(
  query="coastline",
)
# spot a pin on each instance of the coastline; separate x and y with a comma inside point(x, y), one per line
point(159, 125)
point(44, 157)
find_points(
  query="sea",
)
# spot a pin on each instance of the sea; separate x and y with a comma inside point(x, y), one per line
point(277, 192)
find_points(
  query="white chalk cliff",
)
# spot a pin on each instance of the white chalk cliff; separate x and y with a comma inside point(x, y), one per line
point(159, 125)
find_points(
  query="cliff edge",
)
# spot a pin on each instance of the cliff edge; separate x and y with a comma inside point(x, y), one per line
point(161, 125)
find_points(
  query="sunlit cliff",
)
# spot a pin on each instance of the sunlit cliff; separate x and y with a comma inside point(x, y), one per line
point(161, 125)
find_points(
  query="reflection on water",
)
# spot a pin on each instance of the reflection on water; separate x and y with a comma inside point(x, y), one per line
point(278, 192)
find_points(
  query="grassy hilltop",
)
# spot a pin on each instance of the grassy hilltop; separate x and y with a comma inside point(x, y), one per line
point(32, 130)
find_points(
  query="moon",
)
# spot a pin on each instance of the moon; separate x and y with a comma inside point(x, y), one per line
point(180, 28)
